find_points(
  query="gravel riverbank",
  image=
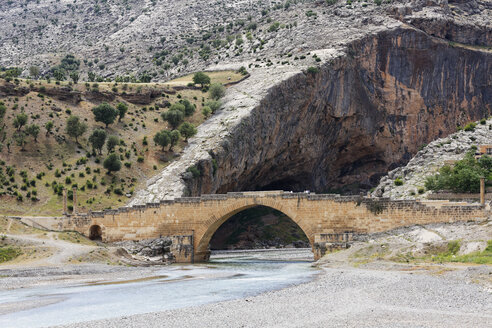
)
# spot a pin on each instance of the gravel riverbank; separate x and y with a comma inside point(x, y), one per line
point(339, 297)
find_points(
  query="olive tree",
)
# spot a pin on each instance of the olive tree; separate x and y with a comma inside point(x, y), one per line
point(75, 128)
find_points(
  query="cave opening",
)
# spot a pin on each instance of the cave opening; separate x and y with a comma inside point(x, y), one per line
point(259, 227)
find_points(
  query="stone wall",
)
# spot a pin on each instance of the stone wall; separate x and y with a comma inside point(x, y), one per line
point(459, 197)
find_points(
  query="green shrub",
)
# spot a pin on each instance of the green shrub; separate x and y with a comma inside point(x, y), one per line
point(194, 171)
point(470, 127)
point(312, 70)
point(464, 176)
point(8, 253)
point(398, 182)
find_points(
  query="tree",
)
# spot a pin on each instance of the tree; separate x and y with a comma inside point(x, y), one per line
point(174, 117)
point(112, 163)
point(122, 109)
point(145, 78)
point(175, 136)
point(74, 76)
point(91, 76)
point(464, 176)
point(59, 74)
point(97, 139)
point(216, 91)
point(187, 130)
point(105, 113)
point(112, 142)
point(178, 106)
point(201, 78)
point(3, 110)
point(206, 111)
point(75, 128)
point(48, 126)
point(189, 108)
point(34, 72)
point(20, 139)
point(214, 105)
point(20, 120)
point(33, 131)
point(162, 138)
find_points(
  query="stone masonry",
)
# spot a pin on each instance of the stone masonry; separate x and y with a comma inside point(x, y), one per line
point(326, 219)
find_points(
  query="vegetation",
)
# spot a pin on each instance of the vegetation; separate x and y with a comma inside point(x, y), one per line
point(8, 253)
point(216, 91)
point(97, 140)
point(162, 138)
point(122, 109)
point(31, 182)
point(187, 130)
point(112, 163)
point(464, 176)
point(75, 128)
point(312, 70)
point(105, 113)
point(201, 78)
point(398, 182)
point(451, 255)
point(175, 115)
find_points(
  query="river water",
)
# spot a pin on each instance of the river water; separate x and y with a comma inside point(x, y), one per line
point(229, 275)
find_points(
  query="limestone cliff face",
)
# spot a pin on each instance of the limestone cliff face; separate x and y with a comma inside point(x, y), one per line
point(358, 117)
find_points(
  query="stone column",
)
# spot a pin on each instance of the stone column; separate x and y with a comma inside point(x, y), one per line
point(74, 190)
point(482, 191)
point(65, 209)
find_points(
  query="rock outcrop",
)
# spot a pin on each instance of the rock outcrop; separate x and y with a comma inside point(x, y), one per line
point(428, 161)
point(152, 250)
point(364, 112)
point(358, 117)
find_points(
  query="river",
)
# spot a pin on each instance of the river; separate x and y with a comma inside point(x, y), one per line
point(228, 275)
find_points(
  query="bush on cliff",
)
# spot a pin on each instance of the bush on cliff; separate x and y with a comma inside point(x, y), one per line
point(464, 176)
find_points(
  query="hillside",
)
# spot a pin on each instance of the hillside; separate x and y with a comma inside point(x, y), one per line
point(340, 92)
point(160, 38)
point(32, 172)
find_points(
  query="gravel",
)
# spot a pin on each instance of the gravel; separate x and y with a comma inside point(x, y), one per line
point(339, 297)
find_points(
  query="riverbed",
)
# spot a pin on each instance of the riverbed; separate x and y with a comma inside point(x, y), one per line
point(229, 275)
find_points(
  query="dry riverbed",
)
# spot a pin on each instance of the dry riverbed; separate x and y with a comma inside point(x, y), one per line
point(401, 278)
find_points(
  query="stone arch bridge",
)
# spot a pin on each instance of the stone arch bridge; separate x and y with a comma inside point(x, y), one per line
point(327, 220)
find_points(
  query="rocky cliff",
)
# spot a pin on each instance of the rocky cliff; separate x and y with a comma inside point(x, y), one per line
point(367, 107)
point(355, 119)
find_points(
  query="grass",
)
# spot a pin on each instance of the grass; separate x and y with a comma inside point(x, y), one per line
point(9, 253)
point(215, 77)
point(76, 238)
point(450, 255)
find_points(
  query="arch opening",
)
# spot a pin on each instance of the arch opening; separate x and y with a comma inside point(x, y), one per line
point(253, 227)
point(258, 227)
point(95, 232)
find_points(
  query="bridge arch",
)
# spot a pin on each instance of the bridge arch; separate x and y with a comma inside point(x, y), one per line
point(202, 240)
point(95, 232)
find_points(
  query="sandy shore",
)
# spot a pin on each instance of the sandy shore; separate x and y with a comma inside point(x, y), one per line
point(339, 297)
